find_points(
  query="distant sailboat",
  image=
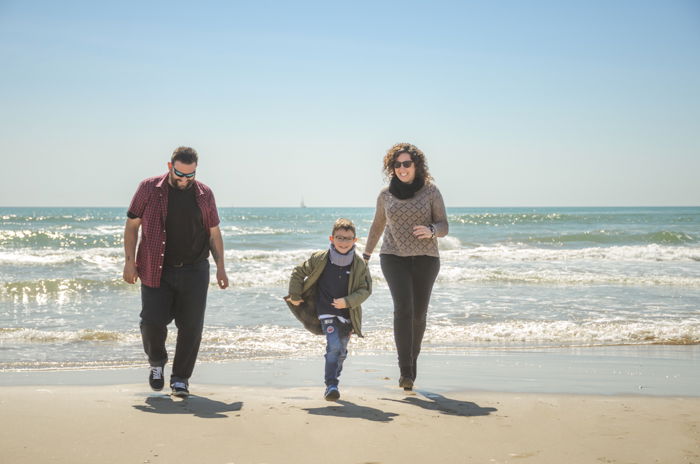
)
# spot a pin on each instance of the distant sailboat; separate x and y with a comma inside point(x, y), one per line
point(302, 204)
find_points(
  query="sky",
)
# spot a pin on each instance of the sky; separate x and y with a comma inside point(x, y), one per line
point(514, 103)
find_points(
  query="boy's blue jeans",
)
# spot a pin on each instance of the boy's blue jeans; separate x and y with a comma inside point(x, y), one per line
point(337, 338)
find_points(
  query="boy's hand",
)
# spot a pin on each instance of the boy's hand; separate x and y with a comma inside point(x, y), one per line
point(339, 303)
point(295, 302)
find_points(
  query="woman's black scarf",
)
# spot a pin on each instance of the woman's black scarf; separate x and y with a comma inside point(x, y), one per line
point(404, 191)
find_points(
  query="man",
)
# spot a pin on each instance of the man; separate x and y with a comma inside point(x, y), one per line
point(179, 228)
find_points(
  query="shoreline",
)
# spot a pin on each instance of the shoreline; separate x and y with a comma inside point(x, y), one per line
point(647, 370)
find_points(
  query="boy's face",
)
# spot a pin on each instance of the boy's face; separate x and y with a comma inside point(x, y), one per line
point(343, 240)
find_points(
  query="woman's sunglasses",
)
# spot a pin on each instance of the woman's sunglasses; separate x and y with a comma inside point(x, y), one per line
point(182, 174)
point(406, 164)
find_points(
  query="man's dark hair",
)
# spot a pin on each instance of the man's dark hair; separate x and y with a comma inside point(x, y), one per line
point(186, 155)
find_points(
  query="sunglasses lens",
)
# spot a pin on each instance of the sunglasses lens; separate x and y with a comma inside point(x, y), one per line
point(182, 174)
point(406, 164)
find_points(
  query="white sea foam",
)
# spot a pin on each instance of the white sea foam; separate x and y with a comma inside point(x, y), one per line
point(108, 257)
point(522, 253)
point(269, 256)
point(597, 332)
point(449, 243)
point(268, 338)
point(28, 335)
point(264, 230)
point(92, 348)
point(264, 268)
point(559, 276)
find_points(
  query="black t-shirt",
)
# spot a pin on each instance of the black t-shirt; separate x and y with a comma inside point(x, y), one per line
point(333, 283)
point(186, 238)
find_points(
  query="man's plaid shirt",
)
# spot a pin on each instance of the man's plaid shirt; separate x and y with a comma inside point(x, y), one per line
point(150, 203)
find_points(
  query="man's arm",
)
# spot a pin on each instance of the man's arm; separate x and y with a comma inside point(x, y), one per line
point(216, 245)
point(131, 237)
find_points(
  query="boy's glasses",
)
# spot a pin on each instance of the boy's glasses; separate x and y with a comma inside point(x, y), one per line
point(182, 174)
point(406, 164)
point(340, 238)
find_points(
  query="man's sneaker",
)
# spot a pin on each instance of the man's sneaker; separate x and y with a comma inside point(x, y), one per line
point(332, 393)
point(180, 389)
point(406, 383)
point(155, 378)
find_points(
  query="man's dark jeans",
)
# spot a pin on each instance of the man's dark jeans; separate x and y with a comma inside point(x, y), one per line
point(182, 296)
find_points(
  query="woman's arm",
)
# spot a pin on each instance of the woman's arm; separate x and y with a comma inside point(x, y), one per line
point(439, 214)
point(377, 227)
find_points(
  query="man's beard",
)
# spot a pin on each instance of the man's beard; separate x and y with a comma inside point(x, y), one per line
point(174, 183)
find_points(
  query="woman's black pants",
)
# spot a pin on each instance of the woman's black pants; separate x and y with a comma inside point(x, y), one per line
point(410, 281)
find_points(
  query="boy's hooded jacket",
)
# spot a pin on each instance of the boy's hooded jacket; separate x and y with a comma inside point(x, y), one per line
point(302, 286)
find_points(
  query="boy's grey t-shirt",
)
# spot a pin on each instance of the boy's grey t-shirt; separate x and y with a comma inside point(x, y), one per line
point(333, 283)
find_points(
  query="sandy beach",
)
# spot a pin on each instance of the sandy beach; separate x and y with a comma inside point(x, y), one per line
point(273, 412)
point(129, 424)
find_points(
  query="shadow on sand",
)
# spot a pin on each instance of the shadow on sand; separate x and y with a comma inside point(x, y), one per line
point(352, 411)
point(436, 402)
point(198, 406)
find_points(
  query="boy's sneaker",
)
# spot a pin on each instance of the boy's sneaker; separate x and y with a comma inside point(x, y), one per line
point(155, 378)
point(406, 383)
point(180, 389)
point(332, 393)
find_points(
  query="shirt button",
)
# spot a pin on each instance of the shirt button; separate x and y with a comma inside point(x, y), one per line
point(163, 243)
point(160, 267)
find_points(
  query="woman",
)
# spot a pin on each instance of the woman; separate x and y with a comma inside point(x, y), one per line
point(411, 215)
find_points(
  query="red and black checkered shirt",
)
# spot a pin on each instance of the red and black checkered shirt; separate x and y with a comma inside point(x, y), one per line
point(150, 203)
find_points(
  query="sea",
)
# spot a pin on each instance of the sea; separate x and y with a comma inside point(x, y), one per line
point(510, 278)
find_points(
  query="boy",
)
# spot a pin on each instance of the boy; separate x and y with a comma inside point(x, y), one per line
point(325, 293)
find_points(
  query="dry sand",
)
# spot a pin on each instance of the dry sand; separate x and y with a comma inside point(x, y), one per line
point(241, 425)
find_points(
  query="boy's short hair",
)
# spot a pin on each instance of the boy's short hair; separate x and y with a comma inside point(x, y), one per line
point(345, 224)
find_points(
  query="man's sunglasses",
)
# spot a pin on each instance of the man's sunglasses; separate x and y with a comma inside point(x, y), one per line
point(406, 164)
point(182, 174)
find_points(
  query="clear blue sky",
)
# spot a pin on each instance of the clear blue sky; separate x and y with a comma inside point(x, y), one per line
point(515, 103)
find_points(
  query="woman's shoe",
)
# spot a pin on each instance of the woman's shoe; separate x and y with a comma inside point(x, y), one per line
point(406, 383)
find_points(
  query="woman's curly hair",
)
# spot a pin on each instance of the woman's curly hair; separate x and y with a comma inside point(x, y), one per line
point(416, 155)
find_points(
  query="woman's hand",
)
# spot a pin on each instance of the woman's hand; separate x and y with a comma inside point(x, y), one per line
point(422, 232)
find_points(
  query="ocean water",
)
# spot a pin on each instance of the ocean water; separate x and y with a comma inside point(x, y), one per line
point(513, 278)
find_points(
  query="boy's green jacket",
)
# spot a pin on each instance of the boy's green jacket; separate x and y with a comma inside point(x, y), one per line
point(302, 286)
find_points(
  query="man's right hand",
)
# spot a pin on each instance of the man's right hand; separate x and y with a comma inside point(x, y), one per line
point(295, 302)
point(130, 273)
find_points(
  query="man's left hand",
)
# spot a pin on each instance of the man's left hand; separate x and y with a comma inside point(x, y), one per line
point(221, 278)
